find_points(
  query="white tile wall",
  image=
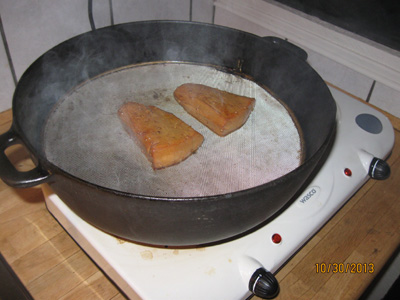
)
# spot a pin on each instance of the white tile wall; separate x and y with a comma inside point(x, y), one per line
point(6, 81)
point(226, 18)
point(343, 77)
point(386, 98)
point(101, 12)
point(139, 10)
point(337, 74)
point(34, 26)
point(202, 10)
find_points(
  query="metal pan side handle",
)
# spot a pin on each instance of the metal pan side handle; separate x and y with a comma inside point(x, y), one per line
point(9, 174)
point(302, 54)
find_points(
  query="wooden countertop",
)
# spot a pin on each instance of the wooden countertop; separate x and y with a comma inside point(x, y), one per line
point(51, 266)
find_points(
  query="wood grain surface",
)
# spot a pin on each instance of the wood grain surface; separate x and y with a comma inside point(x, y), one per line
point(51, 265)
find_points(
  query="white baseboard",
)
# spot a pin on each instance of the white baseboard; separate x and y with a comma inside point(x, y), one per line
point(366, 57)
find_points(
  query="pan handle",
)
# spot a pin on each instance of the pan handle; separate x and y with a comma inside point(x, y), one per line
point(288, 46)
point(9, 174)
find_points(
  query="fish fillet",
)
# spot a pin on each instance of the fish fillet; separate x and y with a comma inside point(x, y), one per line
point(220, 111)
point(165, 139)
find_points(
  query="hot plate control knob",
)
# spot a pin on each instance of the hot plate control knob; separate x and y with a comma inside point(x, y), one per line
point(263, 284)
point(379, 169)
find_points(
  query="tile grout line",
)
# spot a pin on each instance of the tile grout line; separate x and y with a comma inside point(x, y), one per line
point(111, 12)
point(213, 14)
point(190, 10)
point(370, 91)
point(90, 15)
point(8, 54)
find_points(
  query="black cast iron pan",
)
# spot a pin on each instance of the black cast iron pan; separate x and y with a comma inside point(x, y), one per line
point(153, 218)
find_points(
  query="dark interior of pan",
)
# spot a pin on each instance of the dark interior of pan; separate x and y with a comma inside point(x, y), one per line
point(94, 73)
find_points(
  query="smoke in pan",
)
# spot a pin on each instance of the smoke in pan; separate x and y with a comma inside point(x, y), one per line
point(75, 61)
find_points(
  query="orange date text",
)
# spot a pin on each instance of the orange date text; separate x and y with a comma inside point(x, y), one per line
point(353, 268)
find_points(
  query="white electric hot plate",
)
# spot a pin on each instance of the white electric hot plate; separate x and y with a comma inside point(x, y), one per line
point(224, 271)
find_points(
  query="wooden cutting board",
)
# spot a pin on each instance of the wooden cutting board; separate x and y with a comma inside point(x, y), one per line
point(366, 231)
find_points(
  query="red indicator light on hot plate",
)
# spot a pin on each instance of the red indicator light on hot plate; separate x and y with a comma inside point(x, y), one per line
point(347, 172)
point(276, 238)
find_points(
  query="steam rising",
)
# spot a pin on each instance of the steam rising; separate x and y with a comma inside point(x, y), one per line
point(72, 63)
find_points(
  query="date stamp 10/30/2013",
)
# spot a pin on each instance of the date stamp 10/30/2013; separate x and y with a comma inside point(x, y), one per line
point(353, 268)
